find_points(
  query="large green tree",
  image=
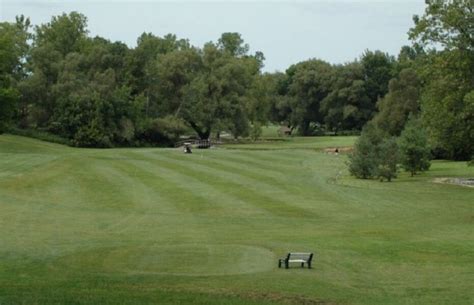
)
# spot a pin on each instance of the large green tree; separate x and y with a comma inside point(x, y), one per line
point(378, 70)
point(64, 33)
point(93, 107)
point(309, 83)
point(280, 106)
point(170, 75)
point(233, 44)
point(446, 30)
point(142, 57)
point(13, 49)
point(347, 106)
point(77, 86)
point(53, 41)
point(401, 100)
point(209, 88)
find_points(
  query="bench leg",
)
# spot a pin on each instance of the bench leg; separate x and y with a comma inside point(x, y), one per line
point(279, 263)
point(302, 265)
point(287, 265)
point(309, 265)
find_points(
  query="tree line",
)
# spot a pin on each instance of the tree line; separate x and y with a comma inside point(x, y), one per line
point(56, 78)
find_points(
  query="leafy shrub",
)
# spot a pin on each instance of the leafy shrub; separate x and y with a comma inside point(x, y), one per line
point(415, 151)
point(387, 159)
point(374, 155)
point(164, 131)
point(256, 131)
point(91, 136)
point(8, 99)
point(364, 158)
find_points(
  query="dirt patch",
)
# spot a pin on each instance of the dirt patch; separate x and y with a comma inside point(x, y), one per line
point(467, 182)
point(341, 150)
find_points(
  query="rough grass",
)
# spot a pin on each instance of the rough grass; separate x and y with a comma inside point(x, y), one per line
point(156, 226)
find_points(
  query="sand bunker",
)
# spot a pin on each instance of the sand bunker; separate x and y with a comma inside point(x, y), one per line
point(468, 182)
point(342, 150)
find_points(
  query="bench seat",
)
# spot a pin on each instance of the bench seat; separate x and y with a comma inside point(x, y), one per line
point(296, 257)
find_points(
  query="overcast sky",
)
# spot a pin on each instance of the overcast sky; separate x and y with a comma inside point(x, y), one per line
point(285, 31)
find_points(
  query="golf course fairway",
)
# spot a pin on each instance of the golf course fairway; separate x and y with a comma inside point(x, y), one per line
point(156, 226)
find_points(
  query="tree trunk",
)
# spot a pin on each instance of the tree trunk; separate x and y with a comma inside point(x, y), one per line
point(305, 128)
point(203, 133)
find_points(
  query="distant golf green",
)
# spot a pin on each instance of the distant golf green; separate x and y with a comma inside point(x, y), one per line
point(156, 226)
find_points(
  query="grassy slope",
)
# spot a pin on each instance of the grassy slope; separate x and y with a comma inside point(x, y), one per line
point(149, 226)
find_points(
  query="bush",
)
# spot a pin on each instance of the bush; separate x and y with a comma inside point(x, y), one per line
point(374, 155)
point(256, 131)
point(414, 148)
point(8, 100)
point(387, 159)
point(364, 158)
point(92, 136)
point(163, 131)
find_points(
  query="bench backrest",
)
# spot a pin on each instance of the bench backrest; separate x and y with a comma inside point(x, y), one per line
point(300, 255)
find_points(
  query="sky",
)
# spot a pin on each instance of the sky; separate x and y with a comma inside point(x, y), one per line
point(287, 32)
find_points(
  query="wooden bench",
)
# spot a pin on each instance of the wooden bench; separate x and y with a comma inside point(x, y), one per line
point(301, 258)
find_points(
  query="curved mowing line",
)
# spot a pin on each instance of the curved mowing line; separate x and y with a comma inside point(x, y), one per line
point(144, 200)
point(177, 259)
point(269, 203)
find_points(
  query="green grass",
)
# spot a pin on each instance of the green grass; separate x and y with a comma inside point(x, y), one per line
point(156, 226)
point(270, 131)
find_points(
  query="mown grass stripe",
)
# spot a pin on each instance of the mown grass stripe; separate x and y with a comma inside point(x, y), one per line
point(185, 187)
point(256, 180)
point(244, 191)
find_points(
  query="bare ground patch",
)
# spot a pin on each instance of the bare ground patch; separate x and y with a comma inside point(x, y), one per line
point(342, 150)
point(467, 182)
